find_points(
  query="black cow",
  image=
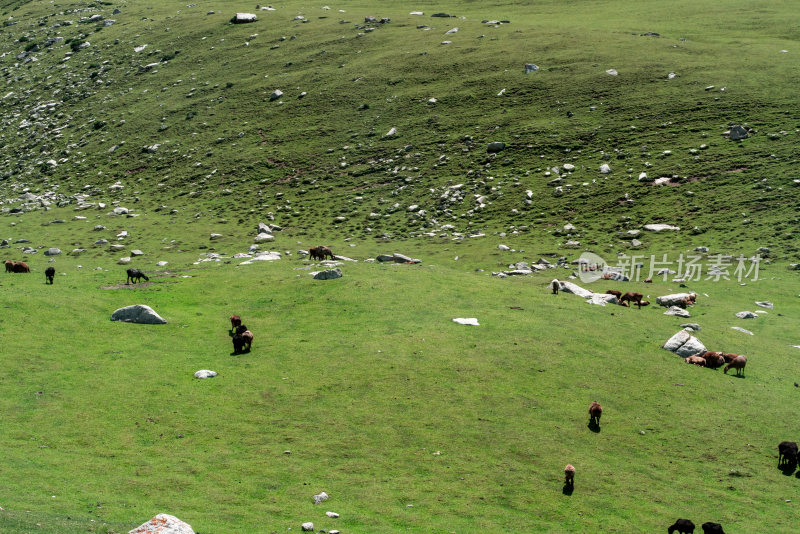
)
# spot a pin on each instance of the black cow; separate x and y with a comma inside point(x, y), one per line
point(712, 528)
point(49, 273)
point(684, 526)
point(135, 275)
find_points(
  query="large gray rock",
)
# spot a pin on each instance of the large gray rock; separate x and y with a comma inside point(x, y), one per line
point(671, 300)
point(138, 313)
point(569, 287)
point(737, 133)
point(244, 18)
point(602, 299)
point(52, 252)
point(746, 315)
point(328, 274)
point(660, 227)
point(677, 311)
point(163, 524)
point(684, 344)
point(495, 147)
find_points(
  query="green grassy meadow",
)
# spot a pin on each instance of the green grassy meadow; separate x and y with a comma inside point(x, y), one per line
point(364, 387)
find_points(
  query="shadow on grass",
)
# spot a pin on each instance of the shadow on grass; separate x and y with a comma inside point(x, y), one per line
point(787, 468)
point(594, 427)
point(567, 489)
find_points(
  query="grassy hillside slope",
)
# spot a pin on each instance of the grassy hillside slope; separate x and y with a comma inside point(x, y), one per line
point(199, 88)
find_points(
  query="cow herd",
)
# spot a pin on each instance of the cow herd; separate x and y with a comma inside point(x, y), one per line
point(16, 267)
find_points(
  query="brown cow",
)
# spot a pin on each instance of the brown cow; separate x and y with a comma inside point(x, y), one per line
point(9, 266)
point(320, 253)
point(737, 363)
point(595, 411)
point(696, 360)
point(21, 267)
point(714, 360)
point(235, 322)
point(614, 292)
point(569, 475)
point(632, 296)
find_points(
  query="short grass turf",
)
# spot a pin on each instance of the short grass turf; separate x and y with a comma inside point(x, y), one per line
point(364, 388)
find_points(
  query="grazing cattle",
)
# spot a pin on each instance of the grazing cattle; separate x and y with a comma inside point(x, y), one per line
point(49, 273)
point(9, 266)
point(787, 453)
point(21, 267)
point(320, 253)
point(595, 411)
point(236, 321)
point(569, 475)
point(135, 275)
point(737, 363)
point(614, 292)
point(729, 356)
point(712, 528)
point(632, 296)
point(555, 285)
point(684, 526)
point(696, 360)
point(242, 339)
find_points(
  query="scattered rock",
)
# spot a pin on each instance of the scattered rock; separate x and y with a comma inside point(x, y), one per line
point(602, 299)
point(328, 274)
point(737, 133)
point(466, 320)
point(693, 326)
point(137, 252)
point(137, 313)
point(320, 497)
point(765, 304)
point(671, 300)
point(495, 147)
point(741, 330)
point(244, 18)
point(503, 247)
point(332, 515)
point(530, 67)
point(205, 373)
point(276, 94)
point(52, 252)
point(677, 311)
point(307, 527)
point(605, 168)
point(660, 227)
point(746, 315)
point(569, 287)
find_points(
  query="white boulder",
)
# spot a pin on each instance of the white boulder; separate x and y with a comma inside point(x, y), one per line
point(163, 524)
point(138, 313)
